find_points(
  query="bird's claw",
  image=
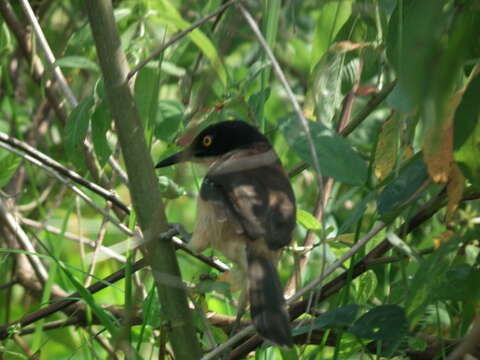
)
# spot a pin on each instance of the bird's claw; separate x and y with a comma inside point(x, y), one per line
point(177, 229)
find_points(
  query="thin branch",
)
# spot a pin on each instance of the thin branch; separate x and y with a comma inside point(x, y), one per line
point(52, 229)
point(60, 78)
point(23, 239)
point(177, 37)
point(72, 187)
point(57, 72)
point(37, 68)
point(68, 300)
point(352, 251)
point(38, 201)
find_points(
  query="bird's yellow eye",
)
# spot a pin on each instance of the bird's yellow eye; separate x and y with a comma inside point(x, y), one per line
point(207, 141)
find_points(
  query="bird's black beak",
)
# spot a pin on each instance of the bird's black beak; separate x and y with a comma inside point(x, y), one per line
point(176, 158)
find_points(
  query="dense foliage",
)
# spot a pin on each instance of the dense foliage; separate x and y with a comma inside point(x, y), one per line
point(376, 124)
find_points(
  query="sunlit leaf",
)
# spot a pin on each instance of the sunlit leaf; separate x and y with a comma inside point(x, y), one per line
point(146, 94)
point(332, 16)
point(387, 147)
point(307, 220)
point(365, 286)
point(77, 62)
point(402, 246)
point(325, 93)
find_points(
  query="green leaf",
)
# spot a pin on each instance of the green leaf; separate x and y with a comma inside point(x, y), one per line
point(146, 94)
point(341, 317)
point(460, 283)
point(169, 189)
point(105, 317)
point(101, 120)
point(467, 133)
point(76, 131)
point(385, 322)
point(356, 213)
point(9, 164)
point(413, 29)
point(258, 100)
point(209, 285)
point(365, 286)
point(403, 187)
point(333, 15)
point(77, 62)
point(168, 120)
point(152, 309)
point(336, 157)
point(307, 220)
point(421, 290)
point(467, 114)
point(468, 157)
point(402, 246)
point(170, 16)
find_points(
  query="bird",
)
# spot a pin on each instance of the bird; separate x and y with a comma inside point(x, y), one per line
point(246, 210)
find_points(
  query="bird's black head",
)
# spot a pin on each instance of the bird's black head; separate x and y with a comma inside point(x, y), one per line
point(216, 140)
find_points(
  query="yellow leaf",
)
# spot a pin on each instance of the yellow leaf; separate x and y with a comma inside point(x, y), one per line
point(438, 143)
point(442, 238)
point(408, 153)
point(386, 152)
point(455, 187)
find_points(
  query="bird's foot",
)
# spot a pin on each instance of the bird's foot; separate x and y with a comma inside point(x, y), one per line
point(176, 229)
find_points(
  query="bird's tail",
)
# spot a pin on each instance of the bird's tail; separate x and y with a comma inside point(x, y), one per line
point(267, 305)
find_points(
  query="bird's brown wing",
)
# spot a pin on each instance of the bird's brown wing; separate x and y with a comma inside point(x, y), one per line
point(252, 187)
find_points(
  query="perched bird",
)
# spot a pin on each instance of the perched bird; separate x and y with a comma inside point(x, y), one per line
point(246, 210)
